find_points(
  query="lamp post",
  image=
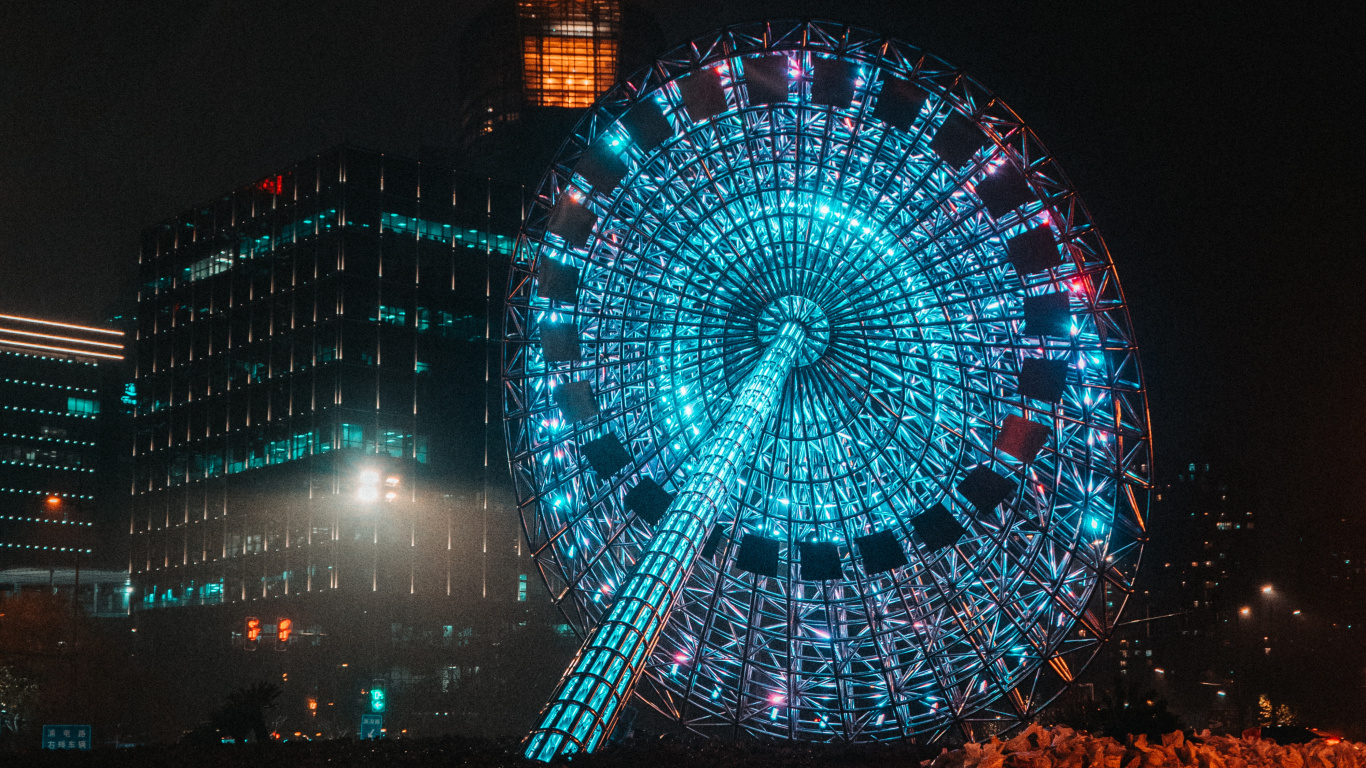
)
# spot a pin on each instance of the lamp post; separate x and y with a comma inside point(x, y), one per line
point(1268, 596)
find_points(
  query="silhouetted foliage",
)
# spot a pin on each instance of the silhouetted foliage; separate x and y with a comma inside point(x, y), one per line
point(1128, 711)
point(242, 716)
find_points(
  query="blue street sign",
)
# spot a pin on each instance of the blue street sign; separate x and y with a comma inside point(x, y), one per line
point(66, 737)
point(372, 726)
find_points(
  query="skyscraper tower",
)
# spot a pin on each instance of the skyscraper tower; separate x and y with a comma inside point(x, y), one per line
point(314, 441)
point(60, 391)
point(528, 68)
point(306, 349)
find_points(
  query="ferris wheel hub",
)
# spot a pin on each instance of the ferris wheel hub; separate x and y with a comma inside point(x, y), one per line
point(806, 313)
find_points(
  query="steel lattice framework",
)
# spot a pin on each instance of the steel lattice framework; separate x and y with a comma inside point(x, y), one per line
point(861, 225)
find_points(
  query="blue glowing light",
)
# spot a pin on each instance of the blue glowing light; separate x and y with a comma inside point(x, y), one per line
point(804, 323)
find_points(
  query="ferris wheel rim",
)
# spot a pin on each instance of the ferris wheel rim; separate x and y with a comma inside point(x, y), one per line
point(612, 107)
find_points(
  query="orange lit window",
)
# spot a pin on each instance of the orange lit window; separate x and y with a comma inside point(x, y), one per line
point(569, 50)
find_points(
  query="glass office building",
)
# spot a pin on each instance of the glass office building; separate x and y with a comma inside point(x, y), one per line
point(312, 370)
point(60, 392)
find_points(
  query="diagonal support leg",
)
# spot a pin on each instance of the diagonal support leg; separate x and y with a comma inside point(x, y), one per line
point(605, 671)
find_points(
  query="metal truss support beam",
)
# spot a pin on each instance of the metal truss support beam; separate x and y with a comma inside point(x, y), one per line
point(605, 671)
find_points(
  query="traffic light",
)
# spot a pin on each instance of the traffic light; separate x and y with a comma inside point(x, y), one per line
point(313, 706)
point(378, 697)
point(252, 635)
point(283, 629)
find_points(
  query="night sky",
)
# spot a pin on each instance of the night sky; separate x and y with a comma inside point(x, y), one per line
point(1212, 144)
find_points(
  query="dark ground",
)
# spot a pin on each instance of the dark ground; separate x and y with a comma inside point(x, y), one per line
point(478, 753)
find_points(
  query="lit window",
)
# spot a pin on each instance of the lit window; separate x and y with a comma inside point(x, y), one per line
point(82, 406)
point(352, 436)
point(569, 50)
point(208, 267)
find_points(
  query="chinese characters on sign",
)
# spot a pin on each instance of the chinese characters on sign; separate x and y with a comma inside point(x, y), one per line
point(372, 726)
point(66, 737)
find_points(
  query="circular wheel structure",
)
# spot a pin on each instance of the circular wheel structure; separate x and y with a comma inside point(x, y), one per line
point(824, 411)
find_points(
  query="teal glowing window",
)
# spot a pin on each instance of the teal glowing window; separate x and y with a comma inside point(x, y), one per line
point(353, 436)
point(447, 234)
point(82, 406)
point(393, 315)
point(391, 442)
point(159, 284)
point(467, 327)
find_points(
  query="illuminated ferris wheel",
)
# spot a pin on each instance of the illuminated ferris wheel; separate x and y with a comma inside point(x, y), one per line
point(824, 411)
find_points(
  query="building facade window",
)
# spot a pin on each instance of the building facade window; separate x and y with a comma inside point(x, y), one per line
point(82, 406)
point(569, 50)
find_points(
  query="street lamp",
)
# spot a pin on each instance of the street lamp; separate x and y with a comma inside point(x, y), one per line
point(369, 485)
point(1269, 594)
